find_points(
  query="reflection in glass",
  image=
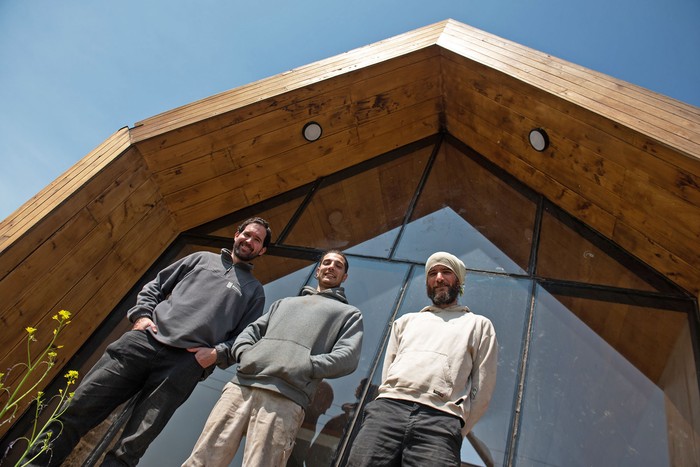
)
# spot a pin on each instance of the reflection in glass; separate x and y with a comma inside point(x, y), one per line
point(505, 301)
point(361, 207)
point(607, 400)
point(645, 337)
point(486, 203)
point(445, 230)
point(379, 246)
point(565, 254)
point(277, 214)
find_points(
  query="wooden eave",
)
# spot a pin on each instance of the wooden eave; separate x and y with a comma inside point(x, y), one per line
point(622, 159)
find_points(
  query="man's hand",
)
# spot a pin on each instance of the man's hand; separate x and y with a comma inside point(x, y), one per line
point(206, 356)
point(145, 323)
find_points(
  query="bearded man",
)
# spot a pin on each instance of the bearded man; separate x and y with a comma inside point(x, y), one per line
point(282, 358)
point(184, 324)
point(438, 377)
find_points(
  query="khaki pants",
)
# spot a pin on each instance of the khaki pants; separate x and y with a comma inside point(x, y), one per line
point(268, 420)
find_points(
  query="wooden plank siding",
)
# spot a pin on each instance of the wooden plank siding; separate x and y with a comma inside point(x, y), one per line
point(269, 140)
point(532, 67)
point(84, 254)
point(322, 71)
point(612, 169)
point(40, 209)
point(246, 124)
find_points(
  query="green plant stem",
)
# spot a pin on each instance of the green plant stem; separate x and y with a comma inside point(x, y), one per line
point(13, 400)
point(57, 412)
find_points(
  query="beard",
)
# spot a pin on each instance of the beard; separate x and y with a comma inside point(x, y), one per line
point(444, 297)
point(243, 256)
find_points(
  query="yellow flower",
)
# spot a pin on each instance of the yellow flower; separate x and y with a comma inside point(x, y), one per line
point(30, 330)
point(52, 355)
point(63, 318)
point(71, 376)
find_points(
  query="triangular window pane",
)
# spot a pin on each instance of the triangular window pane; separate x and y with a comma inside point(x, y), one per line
point(363, 206)
point(497, 220)
point(566, 255)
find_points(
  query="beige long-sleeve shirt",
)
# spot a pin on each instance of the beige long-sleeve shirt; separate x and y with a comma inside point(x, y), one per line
point(442, 358)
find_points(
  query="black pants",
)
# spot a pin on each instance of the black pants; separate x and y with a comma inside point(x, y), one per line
point(136, 362)
point(401, 433)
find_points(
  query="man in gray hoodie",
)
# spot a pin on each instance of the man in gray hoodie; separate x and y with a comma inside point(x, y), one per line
point(184, 322)
point(282, 357)
point(438, 377)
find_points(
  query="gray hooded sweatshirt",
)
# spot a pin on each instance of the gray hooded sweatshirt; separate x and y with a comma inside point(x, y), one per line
point(299, 342)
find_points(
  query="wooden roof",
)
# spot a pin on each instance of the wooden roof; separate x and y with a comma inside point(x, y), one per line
point(623, 159)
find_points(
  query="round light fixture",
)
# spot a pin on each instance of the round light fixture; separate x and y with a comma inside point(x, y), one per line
point(312, 131)
point(539, 139)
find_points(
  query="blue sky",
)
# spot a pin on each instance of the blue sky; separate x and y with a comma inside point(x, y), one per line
point(74, 72)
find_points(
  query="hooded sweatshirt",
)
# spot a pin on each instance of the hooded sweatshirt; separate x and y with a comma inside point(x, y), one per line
point(442, 358)
point(204, 299)
point(299, 342)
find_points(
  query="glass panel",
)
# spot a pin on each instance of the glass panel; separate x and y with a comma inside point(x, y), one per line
point(278, 215)
point(491, 209)
point(505, 302)
point(445, 230)
point(361, 207)
point(608, 384)
point(272, 269)
point(564, 254)
point(645, 337)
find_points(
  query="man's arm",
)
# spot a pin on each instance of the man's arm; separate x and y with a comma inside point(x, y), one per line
point(483, 376)
point(157, 290)
point(345, 354)
point(225, 356)
point(222, 354)
point(251, 334)
point(391, 349)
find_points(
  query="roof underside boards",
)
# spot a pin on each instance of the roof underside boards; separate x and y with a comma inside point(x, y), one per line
point(623, 159)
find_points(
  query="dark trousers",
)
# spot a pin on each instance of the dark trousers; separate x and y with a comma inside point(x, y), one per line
point(402, 433)
point(163, 376)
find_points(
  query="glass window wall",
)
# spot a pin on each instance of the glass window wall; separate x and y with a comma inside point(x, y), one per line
point(607, 393)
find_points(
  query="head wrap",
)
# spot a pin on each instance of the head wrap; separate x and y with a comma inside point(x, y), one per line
point(451, 261)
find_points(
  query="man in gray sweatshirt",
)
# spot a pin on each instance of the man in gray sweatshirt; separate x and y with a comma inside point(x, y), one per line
point(282, 357)
point(184, 322)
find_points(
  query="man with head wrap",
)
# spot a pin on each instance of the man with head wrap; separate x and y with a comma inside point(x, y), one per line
point(438, 377)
